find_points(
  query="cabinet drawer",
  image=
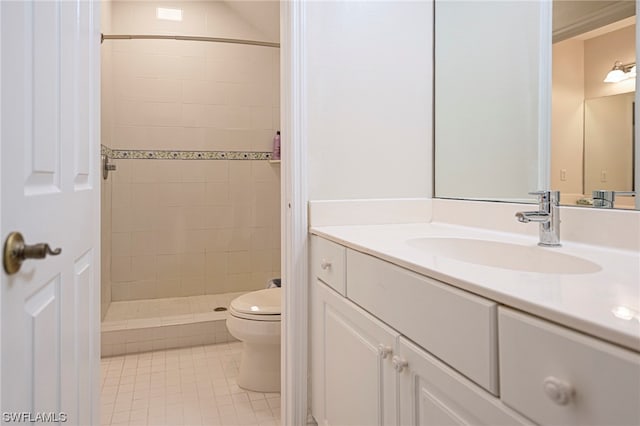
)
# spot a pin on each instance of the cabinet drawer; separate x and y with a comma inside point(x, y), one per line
point(328, 263)
point(455, 326)
point(557, 376)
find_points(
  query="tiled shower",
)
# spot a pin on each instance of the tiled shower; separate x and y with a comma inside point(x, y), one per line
point(191, 215)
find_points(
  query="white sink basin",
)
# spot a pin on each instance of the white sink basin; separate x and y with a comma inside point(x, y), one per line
point(505, 255)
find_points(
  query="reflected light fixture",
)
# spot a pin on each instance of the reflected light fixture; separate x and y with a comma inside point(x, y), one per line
point(168, 14)
point(621, 72)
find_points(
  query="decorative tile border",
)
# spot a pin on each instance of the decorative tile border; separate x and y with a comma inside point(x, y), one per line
point(184, 155)
point(105, 150)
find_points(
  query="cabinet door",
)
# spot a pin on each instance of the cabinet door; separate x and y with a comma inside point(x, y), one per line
point(431, 393)
point(353, 382)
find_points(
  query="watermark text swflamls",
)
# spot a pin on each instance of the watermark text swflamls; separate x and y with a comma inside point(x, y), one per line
point(27, 417)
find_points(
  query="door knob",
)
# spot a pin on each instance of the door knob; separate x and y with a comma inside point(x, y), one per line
point(16, 251)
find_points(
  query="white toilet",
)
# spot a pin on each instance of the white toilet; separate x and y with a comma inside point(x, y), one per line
point(254, 319)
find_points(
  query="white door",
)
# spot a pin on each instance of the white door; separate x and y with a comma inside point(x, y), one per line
point(49, 157)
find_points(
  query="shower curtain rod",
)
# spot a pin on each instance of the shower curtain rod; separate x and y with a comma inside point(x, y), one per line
point(189, 38)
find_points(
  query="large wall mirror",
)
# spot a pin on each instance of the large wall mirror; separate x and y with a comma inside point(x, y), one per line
point(521, 102)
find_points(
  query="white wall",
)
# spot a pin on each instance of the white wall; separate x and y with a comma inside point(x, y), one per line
point(369, 88)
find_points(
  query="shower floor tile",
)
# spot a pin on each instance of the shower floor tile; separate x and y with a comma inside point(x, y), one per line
point(189, 386)
point(153, 324)
point(170, 308)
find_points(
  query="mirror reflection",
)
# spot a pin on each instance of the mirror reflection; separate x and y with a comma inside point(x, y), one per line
point(593, 93)
point(487, 99)
point(495, 137)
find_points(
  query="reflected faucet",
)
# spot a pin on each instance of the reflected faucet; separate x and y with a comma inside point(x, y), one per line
point(606, 199)
point(548, 216)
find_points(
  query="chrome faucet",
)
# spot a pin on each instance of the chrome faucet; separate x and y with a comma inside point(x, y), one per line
point(606, 199)
point(548, 216)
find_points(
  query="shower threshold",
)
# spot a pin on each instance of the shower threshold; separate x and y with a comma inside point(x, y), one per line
point(144, 325)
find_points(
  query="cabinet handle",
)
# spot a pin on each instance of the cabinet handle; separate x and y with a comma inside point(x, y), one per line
point(557, 390)
point(325, 264)
point(399, 364)
point(384, 351)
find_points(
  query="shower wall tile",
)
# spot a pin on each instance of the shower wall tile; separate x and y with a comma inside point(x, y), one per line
point(124, 172)
point(261, 118)
point(197, 241)
point(121, 243)
point(184, 228)
point(142, 243)
point(183, 95)
point(260, 261)
point(168, 288)
point(120, 291)
point(174, 227)
point(239, 262)
point(242, 280)
point(143, 268)
point(192, 286)
point(106, 244)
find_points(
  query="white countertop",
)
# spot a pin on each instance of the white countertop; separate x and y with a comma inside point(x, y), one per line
point(584, 302)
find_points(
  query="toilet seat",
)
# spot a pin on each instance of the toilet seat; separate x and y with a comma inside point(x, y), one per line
point(261, 305)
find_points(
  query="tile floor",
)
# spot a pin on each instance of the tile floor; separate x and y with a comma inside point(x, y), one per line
point(188, 386)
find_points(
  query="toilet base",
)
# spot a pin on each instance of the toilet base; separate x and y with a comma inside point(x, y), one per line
point(260, 367)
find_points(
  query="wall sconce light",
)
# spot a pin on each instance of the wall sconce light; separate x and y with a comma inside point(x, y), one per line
point(621, 72)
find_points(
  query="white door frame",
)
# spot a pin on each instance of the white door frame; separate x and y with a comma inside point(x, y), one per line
point(294, 190)
point(1, 230)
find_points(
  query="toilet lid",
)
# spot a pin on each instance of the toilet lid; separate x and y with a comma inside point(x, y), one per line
point(261, 302)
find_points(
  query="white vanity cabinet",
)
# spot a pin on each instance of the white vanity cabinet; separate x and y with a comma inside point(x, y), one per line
point(448, 356)
point(353, 382)
point(364, 373)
